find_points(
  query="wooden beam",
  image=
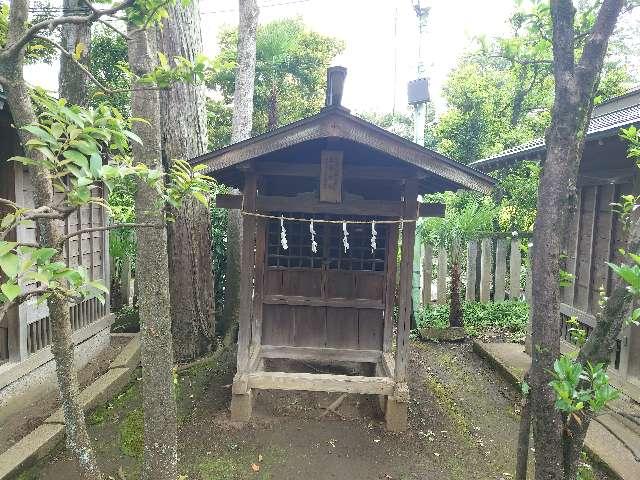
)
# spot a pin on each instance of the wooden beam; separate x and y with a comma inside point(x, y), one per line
point(515, 269)
point(261, 259)
point(472, 270)
point(390, 286)
point(410, 211)
point(485, 270)
point(427, 270)
point(352, 207)
point(320, 382)
point(323, 302)
point(298, 169)
point(247, 263)
point(501, 270)
point(321, 354)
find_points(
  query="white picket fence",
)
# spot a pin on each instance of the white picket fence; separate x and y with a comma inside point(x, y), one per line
point(494, 271)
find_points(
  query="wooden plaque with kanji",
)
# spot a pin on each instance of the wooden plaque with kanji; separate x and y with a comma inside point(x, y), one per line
point(331, 176)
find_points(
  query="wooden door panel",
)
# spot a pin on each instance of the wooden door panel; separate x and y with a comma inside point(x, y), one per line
point(340, 284)
point(310, 329)
point(273, 281)
point(342, 327)
point(277, 325)
point(302, 282)
point(370, 285)
point(370, 329)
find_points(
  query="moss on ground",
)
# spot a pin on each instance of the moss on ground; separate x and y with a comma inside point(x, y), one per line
point(448, 404)
point(238, 465)
point(132, 434)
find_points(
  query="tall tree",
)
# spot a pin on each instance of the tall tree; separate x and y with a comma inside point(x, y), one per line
point(160, 458)
point(184, 135)
point(76, 38)
point(576, 81)
point(242, 121)
point(291, 68)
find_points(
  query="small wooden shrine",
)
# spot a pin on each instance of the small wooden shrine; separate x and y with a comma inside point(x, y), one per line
point(325, 201)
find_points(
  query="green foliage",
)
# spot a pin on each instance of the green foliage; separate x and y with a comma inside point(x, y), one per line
point(131, 434)
point(516, 195)
point(501, 93)
point(219, 218)
point(291, 63)
point(397, 123)
point(466, 216)
point(508, 318)
point(38, 51)
point(109, 52)
point(127, 320)
point(71, 144)
point(219, 118)
point(577, 387)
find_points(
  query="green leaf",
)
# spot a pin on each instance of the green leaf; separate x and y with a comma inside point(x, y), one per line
point(78, 158)
point(95, 164)
point(6, 247)
point(9, 263)
point(40, 133)
point(7, 220)
point(11, 290)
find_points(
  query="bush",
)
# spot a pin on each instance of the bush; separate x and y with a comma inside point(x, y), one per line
point(504, 319)
point(127, 320)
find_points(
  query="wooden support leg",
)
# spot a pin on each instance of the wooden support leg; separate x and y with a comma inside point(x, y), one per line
point(396, 415)
point(242, 406)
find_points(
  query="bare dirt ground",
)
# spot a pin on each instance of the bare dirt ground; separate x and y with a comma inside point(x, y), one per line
point(463, 424)
point(28, 412)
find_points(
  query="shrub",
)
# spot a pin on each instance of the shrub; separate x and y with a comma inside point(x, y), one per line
point(508, 318)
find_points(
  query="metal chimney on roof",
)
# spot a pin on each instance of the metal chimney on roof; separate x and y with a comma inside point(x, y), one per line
point(335, 86)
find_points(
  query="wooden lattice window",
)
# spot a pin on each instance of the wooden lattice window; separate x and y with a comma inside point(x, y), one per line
point(331, 253)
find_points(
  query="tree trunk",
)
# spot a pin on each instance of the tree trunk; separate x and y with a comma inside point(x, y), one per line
point(272, 109)
point(575, 85)
point(455, 305)
point(73, 84)
point(152, 274)
point(241, 129)
point(49, 233)
point(184, 136)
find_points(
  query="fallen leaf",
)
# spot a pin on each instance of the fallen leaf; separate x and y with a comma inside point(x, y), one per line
point(255, 468)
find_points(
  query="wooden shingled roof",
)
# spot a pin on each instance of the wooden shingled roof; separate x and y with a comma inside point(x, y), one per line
point(601, 126)
point(336, 122)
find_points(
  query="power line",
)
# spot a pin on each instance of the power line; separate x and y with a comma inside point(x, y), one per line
point(43, 9)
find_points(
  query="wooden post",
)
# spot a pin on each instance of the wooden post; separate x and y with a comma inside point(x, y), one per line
point(427, 267)
point(396, 418)
point(247, 263)
point(390, 286)
point(260, 258)
point(125, 280)
point(17, 335)
point(515, 269)
point(472, 271)
point(410, 210)
point(442, 276)
point(501, 269)
point(485, 270)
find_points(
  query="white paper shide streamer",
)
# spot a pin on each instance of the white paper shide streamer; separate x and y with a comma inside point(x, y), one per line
point(345, 234)
point(283, 234)
point(314, 244)
point(373, 237)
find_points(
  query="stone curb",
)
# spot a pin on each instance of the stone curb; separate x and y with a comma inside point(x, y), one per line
point(44, 439)
point(599, 443)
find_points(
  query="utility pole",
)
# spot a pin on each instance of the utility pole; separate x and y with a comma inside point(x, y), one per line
point(418, 96)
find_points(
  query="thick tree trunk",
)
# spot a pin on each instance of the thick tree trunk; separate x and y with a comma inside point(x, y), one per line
point(575, 85)
point(73, 84)
point(241, 129)
point(49, 234)
point(455, 305)
point(184, 136)
point(152, 275)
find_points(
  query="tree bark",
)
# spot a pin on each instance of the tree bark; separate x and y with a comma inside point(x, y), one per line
point(455, 305)
point(241, 129)
point(184, 136)
point(73, 84)
point(575, 85)
point(152, 275)
point(49, 233)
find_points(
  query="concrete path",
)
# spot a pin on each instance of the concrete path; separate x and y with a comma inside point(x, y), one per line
point(620, 453)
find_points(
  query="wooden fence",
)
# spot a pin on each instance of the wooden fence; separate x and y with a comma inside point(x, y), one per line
point(495, 270)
